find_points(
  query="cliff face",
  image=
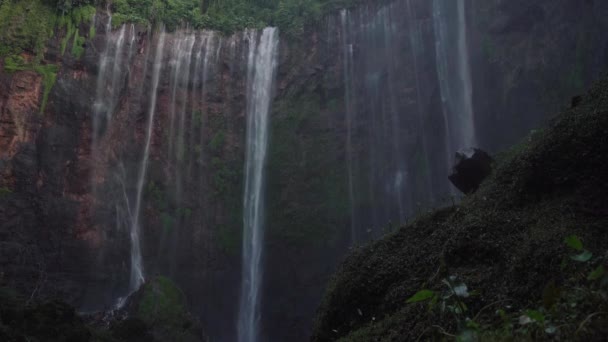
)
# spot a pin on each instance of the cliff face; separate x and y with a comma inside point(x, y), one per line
point(356, 143)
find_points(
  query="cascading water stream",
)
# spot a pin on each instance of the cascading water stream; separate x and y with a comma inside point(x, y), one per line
point(261, 65)
point(137, 268)
point(453, 70)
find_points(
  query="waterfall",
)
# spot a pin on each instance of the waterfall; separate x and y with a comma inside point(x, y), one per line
point(137, 267)
point(415, 43)
point(453, 70)
point(261, 65)
point(378, 118)
point(347, 56)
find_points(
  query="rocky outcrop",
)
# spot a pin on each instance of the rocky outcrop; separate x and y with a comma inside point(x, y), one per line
point(472, 167)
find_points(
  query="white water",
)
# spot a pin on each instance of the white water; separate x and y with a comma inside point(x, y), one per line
point(261, 66)
point(137, 267)
point(464, 66)
point(453, 70)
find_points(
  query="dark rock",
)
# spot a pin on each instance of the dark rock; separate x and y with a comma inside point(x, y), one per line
point(471, 168)
point(576, 100)
point(131, 329)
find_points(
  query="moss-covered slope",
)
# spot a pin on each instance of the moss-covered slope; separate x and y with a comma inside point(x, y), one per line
point(506, 243)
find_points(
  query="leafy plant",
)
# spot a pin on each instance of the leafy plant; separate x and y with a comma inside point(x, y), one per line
point(575, 243)
point(450, 299)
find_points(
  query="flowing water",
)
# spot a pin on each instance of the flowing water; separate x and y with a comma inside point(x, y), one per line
point(137, 267)
point(453, 71)
point(377, 119)
point(261, 65)
point(347, 56)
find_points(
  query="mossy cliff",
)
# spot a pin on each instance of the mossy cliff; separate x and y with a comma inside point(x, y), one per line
point(505, 242)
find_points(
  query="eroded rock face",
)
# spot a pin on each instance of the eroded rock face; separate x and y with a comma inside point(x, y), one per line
point(19, 120)
point(471, 167)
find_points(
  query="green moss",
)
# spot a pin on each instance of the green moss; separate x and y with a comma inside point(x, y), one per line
point(92, 32)
point(307, 185)
point(29, 25)
point(25, 26)
point(83, 14)
point(217, 141)
point(70, 31)
point(49, 76)
point(168, 222)
point(47, 71)
point(4, 191)
point(229, 239)
point(184, 213)
point(78, 46)
point(161, 306)
point(162, 301)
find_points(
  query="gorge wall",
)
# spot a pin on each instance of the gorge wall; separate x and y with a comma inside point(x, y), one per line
point(357, 145)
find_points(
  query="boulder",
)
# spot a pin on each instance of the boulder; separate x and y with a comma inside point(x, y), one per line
point(471, 167)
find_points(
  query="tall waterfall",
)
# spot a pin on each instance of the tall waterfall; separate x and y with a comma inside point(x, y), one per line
point(347, 55)
point(453, 70)
point(261, 65)
point(137, 267)
point(377, 117)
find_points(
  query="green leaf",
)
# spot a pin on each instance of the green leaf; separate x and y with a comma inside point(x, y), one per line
point(471, 324)
point(536, 315)
point(597, 273)
point(421, 295)
point(551, 295)
point(574, 242)
point(583, 257)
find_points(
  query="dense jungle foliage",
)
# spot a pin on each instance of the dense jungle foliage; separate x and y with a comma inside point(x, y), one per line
point(227, 16)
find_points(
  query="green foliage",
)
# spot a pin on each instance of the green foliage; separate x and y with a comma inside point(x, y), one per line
point(161, 301)
point(303, 170)
point(562, 307)
point(168, 221)
point(229, 239)
point(421, 296)
point(162, 307)
point(575, 243)
point(217, 141)
point(25, 26)
point(47, 71)
point(77, 46)
point(49, 76)
point(228, 16)
point(293, 16)
point(5, 191)
point(184, 213)
point(596, 274)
